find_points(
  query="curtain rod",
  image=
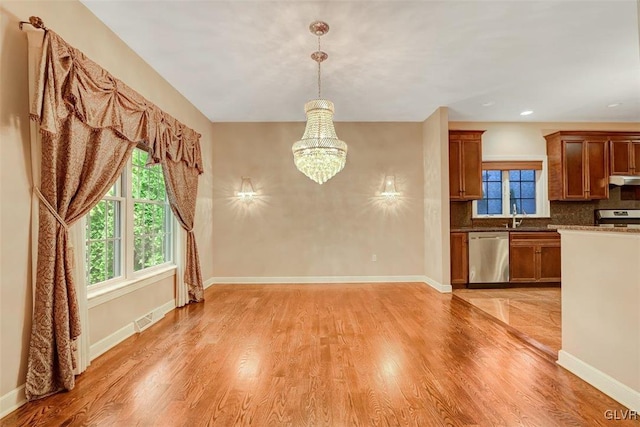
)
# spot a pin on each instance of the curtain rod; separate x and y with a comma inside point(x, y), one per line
point(34, 21)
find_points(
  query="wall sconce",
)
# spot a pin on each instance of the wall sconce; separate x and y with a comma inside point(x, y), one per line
point(246, 192)
point(389, 188)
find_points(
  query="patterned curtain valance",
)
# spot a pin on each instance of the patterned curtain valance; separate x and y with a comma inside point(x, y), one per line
point(71, 83)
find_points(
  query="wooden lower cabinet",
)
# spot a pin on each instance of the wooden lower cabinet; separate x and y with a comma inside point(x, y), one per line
point(534, 257)
point(459, 259)
point(522, 262)
point(549, 255)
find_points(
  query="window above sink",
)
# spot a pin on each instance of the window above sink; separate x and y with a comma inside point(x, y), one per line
point(509, 182)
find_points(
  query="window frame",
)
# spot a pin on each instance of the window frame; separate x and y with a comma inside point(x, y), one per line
point(542, 198)
point(120, 197)
point(128, 276)
point(130, 228)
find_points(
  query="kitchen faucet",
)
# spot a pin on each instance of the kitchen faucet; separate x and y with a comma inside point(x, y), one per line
point(514, 223)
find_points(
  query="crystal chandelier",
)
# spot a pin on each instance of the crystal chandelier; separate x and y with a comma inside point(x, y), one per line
point(319, 154)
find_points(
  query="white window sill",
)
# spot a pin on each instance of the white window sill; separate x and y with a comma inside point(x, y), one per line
point(103, 295)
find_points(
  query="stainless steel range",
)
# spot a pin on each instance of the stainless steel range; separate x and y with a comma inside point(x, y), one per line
point(617, 217)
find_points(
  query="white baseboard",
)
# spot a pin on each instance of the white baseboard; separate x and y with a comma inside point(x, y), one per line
point(603, 382)
point(16, 398)
point(208, 283)
point(160, 312)
point(125, 332)
point(111, 341)
point(444, 289)
point(303, 280)
point(12, 401)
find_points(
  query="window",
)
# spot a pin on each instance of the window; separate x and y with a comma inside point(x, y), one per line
point(491, 203)
point(131, 228)
point(522, 191)
point(104, 237)
point(151, 214)
point(509, 184)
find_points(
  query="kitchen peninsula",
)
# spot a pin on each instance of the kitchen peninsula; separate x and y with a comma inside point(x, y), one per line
point(601, 309)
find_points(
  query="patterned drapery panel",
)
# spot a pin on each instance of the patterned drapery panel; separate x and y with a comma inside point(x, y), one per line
point(90, 122)
point(182, 187)
point(79, 165)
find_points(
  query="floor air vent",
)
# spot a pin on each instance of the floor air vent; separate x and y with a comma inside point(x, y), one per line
point(144, 322)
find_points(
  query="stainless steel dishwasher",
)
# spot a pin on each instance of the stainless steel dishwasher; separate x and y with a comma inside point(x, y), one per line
point(488, 258)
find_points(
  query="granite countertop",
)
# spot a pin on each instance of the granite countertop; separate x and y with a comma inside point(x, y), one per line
point(594, 228)
point(550, 227)
point(476, 229)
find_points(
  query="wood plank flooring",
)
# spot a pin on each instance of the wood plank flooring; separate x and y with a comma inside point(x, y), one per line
point(535, 312)
point(323, 355)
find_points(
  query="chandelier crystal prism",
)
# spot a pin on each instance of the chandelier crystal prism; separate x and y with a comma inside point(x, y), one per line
point(320, 155)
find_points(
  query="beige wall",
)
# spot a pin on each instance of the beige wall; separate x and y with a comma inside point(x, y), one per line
point(298, 228)
point(15, 206)
point(524, 139)
point(113, 315)
point(79, 27)
point(435, 134)
point(600, 300)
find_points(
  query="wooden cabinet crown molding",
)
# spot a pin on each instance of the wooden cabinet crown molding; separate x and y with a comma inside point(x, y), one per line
point(466, 133)
point(601, 133)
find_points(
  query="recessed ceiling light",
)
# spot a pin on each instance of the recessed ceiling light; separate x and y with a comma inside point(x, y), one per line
point(488, 104)
point(615, 104)
point(526, 112)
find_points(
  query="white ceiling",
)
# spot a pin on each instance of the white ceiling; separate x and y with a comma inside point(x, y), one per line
point(392, 60)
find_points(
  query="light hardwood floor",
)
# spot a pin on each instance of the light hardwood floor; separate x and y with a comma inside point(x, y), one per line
point(534, 313)
point(323, 355)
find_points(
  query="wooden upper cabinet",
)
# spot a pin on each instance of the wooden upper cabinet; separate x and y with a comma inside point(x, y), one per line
point(578, 165)
point(472, 168)
point(597, 173)
point(573, 165)
point(455, 171)
point(625, 155)
point(465, 165)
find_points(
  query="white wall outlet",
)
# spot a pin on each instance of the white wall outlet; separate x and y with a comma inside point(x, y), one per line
point(374, 257)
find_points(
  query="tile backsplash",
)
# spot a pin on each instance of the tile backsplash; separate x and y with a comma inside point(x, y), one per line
point(565, 213)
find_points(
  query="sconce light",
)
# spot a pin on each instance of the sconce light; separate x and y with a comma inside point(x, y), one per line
point(389, 188)
point(246, 190)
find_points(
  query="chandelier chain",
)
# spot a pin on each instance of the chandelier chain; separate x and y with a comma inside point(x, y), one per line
point(319, 80)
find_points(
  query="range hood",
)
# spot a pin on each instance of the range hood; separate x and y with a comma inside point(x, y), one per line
point(624, 180)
